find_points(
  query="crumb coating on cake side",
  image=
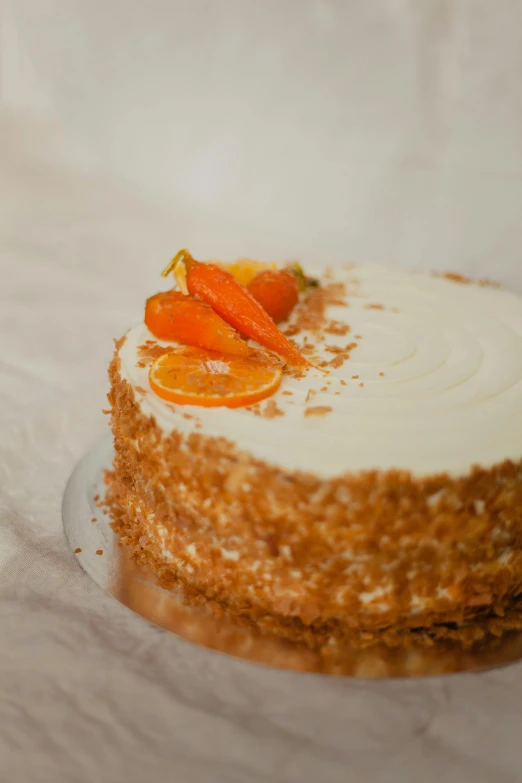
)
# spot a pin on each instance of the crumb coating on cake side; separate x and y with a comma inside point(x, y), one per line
point(360, 558)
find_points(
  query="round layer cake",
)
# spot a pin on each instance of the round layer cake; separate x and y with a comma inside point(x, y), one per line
point(376, 496)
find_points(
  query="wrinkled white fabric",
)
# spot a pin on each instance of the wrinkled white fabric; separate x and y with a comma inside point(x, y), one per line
point(386, 131)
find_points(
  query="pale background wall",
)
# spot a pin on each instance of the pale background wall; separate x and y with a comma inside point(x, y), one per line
point(387, 130)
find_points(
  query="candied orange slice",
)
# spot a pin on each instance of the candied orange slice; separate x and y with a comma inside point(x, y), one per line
point(245, 269)
point(196, 376)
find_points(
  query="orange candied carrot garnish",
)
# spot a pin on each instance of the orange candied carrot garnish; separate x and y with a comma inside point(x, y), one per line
point(235, 305)
point(171, 316)
point(277, 291)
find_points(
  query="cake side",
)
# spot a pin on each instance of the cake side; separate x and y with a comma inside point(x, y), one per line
point(361, 557)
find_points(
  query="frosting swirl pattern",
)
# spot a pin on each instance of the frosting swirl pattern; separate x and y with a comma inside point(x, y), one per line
point(438, 386)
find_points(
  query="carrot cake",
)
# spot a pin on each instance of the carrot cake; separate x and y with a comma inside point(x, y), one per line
point(352, 475)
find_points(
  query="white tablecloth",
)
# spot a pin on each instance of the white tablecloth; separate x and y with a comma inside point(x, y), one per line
point(385, 131)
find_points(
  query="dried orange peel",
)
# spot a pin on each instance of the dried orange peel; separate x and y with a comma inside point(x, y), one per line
point(195, 376)
point(234, 304)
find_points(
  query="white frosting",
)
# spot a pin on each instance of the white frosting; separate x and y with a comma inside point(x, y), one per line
point(450, 396)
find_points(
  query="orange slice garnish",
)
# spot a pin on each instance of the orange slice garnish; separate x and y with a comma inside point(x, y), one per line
point(245, 269)
point(196, 376)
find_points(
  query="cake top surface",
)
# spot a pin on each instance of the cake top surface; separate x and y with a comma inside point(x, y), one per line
point(413, 372)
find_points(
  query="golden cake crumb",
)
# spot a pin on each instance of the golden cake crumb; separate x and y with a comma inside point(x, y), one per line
point(151, 351)
point(337, 328)
point(295, 372)
point(318, 410)
point(271, 410)
point(334, 349)
point(311, 314)
point(454, 277)
point(337, 361)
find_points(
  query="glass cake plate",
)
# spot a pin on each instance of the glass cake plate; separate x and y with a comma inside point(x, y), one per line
point(88, 529)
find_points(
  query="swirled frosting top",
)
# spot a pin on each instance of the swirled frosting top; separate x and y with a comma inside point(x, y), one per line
point(420, 373)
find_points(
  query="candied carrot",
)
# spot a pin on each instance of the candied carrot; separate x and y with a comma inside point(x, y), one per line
point(230, 300)
point(277, 291)
point(171, 316)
